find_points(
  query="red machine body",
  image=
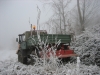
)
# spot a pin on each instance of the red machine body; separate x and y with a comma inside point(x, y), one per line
point(61, 53)
point(65, 53)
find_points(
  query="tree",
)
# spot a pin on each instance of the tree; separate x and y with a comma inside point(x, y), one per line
point(60, 16)
point(87, 10)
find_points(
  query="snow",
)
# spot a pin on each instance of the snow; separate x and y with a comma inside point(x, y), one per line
point(86, 45)
point(10, 66)
point(7, 54)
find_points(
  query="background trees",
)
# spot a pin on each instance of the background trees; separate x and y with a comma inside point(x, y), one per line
point(59, 20)
point(66, 20)
point(85, 14)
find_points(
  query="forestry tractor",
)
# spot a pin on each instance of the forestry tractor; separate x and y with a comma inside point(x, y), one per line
point(29, 44)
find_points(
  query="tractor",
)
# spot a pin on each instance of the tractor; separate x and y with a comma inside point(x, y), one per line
point(29, 44)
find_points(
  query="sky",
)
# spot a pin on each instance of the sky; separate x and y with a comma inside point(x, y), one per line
point(14, 18)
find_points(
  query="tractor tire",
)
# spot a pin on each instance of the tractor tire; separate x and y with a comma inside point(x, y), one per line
point(65, 60)
point(24, 60)
point(32, 62)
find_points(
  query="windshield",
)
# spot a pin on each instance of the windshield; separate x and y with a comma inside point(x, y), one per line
point(23, 37)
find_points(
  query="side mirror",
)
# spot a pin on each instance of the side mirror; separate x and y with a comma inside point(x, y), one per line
point(16, 39)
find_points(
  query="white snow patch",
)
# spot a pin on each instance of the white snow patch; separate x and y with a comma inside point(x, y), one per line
point(7, 54)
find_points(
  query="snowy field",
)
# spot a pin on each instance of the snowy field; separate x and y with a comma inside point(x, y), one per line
point(10, 66)
point(7, 54)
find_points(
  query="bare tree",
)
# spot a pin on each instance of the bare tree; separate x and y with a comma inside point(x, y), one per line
point(48, 25)
point(60, 13)
point(87, 10)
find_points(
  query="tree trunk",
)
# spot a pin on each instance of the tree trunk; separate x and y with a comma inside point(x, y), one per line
point(80, 16)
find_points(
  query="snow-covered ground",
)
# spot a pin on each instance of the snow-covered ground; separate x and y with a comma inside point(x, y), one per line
point(7, 54)
point(10, 66)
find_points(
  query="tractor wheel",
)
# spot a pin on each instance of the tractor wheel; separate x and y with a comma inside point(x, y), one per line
point(24, 61)
point(32, 62)
point(31, 57)
point(65, 60)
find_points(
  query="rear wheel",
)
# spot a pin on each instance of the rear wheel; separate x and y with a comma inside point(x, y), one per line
point(64, 60)
point(31, 57)
point(32, 60)
point(24, 60)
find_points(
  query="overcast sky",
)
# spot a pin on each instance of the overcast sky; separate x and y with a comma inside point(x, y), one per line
point(14, 18)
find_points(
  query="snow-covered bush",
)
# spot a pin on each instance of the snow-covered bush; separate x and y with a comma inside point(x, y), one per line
point(87, 45)
point(13, 67)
